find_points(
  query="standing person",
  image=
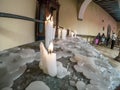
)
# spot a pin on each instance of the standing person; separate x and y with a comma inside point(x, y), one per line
point(114, 37)
point(108, 39)
point(97, 39)
point(103, 39)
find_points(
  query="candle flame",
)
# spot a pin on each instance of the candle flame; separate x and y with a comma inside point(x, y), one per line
point(48, 18)
point(51, 18)
point(50, 48)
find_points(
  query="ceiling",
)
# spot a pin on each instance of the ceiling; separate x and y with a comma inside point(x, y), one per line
point(111, 6)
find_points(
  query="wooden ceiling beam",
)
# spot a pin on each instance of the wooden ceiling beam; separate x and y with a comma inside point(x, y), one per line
point(110, 6)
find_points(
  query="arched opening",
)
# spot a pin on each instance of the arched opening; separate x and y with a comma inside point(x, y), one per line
point(83, 8)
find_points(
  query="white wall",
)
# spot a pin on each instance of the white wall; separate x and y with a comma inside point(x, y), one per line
point(92, 22)
point(14, 32)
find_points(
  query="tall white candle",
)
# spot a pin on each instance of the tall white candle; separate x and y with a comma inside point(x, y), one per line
point(59, 33)
point(48, 31)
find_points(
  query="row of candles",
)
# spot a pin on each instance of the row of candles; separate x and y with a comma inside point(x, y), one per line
point(62, 33)
point(48, 58)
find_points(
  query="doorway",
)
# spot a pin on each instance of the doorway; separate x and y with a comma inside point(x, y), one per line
point(45, 8)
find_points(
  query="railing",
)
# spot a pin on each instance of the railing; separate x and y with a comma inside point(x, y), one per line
point(91, 39)
point(88, 38)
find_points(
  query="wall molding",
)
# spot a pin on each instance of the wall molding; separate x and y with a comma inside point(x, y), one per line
point(9, 15)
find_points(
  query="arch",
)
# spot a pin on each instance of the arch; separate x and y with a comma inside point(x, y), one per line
point(108, 30)
point(83, 8)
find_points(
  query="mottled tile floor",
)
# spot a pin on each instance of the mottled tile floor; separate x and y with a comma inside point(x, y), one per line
point(111, 54)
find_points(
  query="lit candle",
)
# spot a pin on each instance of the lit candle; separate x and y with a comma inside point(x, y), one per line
point(48, 60)
point(72, 34)
point(64, 33)
point(59, 33)
point(48, 30)
point(51, 61)
point(75, 34)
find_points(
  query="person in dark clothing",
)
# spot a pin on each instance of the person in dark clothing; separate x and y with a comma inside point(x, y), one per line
point(114, 37)
point(107, 40)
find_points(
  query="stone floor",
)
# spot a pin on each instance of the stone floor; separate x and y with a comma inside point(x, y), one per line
point(110, 53)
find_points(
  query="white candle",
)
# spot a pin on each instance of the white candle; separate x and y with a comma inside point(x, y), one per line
point(75, 34)
point(51, 64)
point(72, 34)
point(48, 60)
point(59, 33)
point(48, 31)
point(51, 61)
point(64, 32)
